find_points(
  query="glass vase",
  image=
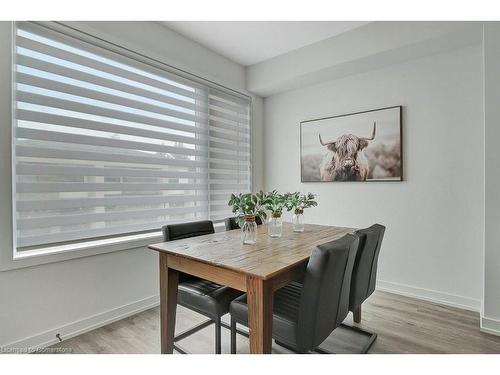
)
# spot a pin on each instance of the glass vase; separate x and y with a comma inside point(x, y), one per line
point(298, 221)
point(249, 231)
point(275, 225)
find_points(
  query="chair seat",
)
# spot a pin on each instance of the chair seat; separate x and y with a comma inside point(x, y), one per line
point(285, 308)
point(206, 297)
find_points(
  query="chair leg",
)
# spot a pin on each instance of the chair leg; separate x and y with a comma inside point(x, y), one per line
point(233, 336)
point(371, 337)
point(288, 347)
point(356, 314)
point(180, 349)
point(294, 350)
point(371, 340)
point(192, 330)
point(218, 325)
point(217, 336)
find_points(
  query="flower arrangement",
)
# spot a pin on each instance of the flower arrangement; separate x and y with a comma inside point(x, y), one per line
point(297, 202)
point(275, 202)
point(248, 205)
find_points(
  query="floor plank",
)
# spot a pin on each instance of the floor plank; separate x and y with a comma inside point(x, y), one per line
point(403, 325)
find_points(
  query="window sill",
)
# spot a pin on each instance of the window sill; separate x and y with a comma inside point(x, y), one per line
point(31, 258)
point(61, 253)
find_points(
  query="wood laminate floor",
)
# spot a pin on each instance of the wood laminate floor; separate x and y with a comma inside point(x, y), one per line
point(404, 325)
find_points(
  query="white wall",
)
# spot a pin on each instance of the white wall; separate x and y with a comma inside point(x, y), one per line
point(490, 321)
point(71, 296)
point(434, 237)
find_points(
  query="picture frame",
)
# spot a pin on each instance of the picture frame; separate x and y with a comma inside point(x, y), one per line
point(364, 146)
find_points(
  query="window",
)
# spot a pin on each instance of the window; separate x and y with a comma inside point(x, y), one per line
point(106, 145)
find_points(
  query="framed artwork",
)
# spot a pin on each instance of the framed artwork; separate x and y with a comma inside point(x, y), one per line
point(361, 146)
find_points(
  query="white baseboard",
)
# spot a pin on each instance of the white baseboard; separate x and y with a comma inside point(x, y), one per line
point(491, 326)
point(47, 338)
point(430, 295)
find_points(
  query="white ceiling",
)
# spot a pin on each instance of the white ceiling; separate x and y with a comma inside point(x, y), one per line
point(250, 42)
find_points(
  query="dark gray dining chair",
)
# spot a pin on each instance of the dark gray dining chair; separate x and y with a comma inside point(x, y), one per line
point(364, 275)
point(305, 314)
point(202, 296)
point(231, 223)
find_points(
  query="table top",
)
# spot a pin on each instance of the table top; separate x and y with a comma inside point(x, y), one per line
point(268, 257)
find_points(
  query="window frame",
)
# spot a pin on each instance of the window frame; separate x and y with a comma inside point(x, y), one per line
point(55, 253)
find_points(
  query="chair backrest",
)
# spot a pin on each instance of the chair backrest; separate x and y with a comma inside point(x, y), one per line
point(324, 302)
point(364, 274)
point(173, 232)
point(231, 223)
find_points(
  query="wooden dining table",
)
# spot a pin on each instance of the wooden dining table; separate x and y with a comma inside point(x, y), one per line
point(257, 269)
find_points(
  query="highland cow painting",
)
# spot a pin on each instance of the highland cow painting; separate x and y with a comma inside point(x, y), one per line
point(363, 146)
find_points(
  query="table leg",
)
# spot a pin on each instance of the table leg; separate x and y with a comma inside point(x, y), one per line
point(169, 279)
point(260, 315)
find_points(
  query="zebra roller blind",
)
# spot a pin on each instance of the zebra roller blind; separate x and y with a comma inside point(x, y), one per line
point(106, 145)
